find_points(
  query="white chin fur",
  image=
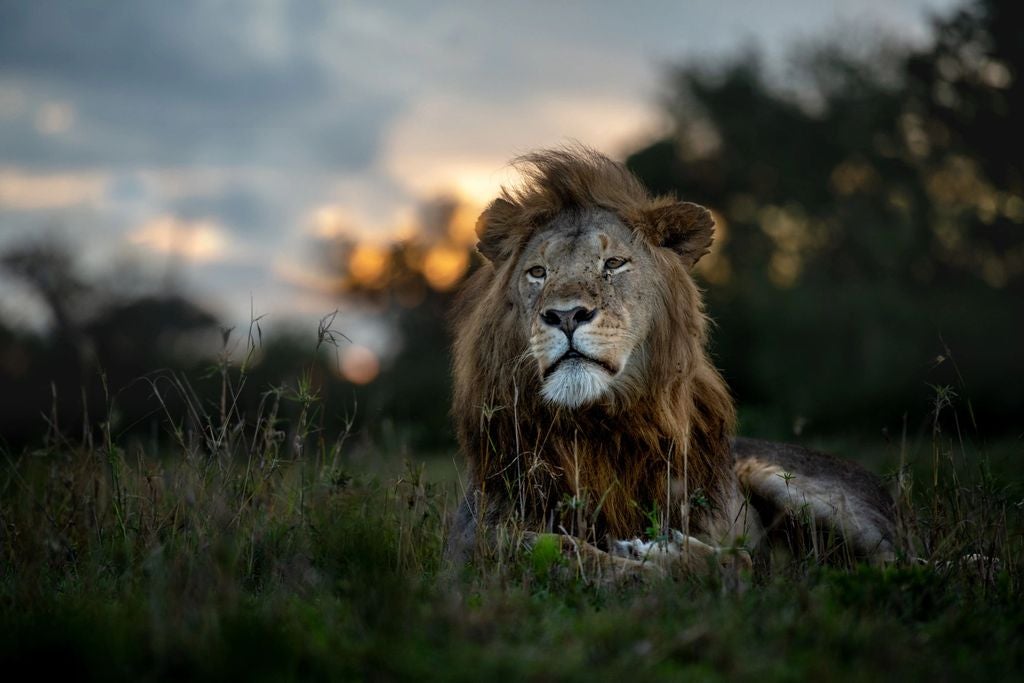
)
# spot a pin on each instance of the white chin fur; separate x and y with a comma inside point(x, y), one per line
point(575, 383)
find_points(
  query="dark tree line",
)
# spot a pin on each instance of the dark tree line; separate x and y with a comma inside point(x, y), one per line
point(873, 223)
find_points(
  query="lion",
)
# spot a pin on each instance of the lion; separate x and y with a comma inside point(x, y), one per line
point(586, 405)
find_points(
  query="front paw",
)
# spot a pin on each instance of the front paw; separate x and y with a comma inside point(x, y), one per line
point(665, 550)
point(634, 549)
point(678, 551)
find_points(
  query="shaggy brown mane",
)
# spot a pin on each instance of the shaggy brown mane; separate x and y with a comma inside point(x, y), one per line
point(657, 443)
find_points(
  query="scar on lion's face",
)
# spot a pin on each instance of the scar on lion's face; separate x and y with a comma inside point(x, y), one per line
point(581, 284)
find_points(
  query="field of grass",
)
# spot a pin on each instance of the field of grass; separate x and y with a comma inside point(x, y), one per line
point(256, 551)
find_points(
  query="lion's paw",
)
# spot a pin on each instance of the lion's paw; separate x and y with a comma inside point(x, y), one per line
point(667, 550)
point(677, 550)
point(634, 549)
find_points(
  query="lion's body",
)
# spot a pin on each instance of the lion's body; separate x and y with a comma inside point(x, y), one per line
point(584, 399)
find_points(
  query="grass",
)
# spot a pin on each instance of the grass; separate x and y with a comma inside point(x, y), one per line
point(250, 549)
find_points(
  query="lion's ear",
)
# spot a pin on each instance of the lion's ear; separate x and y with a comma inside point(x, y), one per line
point(494, 228)
point(683, 227)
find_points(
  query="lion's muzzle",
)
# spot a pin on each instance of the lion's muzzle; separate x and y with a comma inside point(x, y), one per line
point(568, 320)
point(575, 355)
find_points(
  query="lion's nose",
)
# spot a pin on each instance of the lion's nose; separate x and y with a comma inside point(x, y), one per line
point(569, 320)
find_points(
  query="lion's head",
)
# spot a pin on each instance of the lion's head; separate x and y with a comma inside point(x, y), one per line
point(584, 332)
point(591, 265)
point(583, 285)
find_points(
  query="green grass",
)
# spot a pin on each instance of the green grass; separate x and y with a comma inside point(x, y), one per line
point(253, 551)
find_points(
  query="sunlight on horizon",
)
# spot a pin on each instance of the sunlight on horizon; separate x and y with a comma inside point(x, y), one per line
point(195, 241)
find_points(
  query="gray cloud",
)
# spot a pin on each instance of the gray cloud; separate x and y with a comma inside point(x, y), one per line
point(302, 103)
point(188, 49)
point(241, 210)
point(184, 82)
point(316, 83)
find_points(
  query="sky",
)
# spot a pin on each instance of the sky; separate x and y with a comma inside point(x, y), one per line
point(221, 141)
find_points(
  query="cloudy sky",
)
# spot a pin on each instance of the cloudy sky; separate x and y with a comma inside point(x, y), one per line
point(219, 139)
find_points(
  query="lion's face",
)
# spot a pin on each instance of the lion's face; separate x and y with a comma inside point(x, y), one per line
point(584, 283)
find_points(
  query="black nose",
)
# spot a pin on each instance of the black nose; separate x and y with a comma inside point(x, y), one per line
point(568, 321)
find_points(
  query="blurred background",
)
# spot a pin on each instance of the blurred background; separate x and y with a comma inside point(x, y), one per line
point(292, 188)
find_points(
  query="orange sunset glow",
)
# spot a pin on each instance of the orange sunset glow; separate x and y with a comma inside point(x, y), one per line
point(368, 264)
point(445, 265)
point(200, 240)
point(359, 364)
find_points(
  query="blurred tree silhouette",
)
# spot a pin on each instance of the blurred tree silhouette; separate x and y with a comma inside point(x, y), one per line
point(411, 282)
point(867, 227)
point(101, 335)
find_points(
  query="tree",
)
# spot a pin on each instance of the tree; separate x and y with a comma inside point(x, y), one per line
point(869, 220)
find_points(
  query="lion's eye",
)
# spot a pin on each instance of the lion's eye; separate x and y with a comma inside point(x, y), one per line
point(615, 262)
point(537, 272)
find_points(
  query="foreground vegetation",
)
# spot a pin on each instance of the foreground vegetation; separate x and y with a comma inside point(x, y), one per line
point(252, 550)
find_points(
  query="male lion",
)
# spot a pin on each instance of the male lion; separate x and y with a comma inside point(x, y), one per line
point(585, 402)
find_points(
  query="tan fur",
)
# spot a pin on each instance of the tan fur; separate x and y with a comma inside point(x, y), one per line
point(658, 438)
point(822, 491)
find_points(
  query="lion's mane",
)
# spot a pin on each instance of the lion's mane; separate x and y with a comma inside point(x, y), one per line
point(656, 444)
